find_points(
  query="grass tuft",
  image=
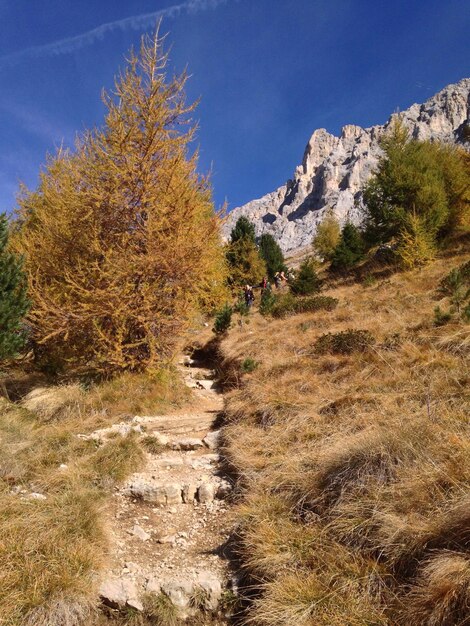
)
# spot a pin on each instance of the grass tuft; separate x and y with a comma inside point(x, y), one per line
point(344, 342)
point(440, 594)
point(161, 610)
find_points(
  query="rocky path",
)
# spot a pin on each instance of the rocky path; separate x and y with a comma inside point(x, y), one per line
point(169, 522)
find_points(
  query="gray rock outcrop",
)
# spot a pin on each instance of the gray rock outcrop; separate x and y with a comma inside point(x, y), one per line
point(334, 169)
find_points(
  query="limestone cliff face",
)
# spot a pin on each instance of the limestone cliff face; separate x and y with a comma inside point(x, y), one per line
point(334, 169)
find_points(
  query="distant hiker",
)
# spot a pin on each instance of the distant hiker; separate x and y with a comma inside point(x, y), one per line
point(249, 295)
point(283, 276)
point(277, 280)
point(263, 284)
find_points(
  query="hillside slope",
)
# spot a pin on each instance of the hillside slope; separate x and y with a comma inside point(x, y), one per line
point(353, 457)
point(334, 169)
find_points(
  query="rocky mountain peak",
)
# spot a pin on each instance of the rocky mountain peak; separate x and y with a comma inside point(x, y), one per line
point(334, 169)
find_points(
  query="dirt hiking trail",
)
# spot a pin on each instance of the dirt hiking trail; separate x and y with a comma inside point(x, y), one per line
point(169, 523)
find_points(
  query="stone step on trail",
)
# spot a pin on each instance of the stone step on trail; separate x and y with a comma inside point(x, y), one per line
point(168, 494)
point(204, 588)
point(170, 522)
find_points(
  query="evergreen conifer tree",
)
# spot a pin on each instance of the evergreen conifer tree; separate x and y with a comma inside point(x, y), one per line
point(306, 282)
point(421, 178)
point(245, 264)
point(242, 229)
point(349, 250)
point(13, 297)
point(272, 254)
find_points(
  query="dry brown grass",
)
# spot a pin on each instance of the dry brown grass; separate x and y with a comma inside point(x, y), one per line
point(53, 548)
point(355, 468)
point(440, 593)
point(308, 599)
point(123, 396)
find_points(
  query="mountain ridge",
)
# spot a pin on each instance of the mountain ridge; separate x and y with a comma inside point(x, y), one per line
point(334, 169)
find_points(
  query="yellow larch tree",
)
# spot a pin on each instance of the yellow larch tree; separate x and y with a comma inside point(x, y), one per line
point(121, 241)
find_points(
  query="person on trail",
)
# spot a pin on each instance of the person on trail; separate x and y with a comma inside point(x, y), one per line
point(283, 276)
point(277, 279)
point(249, 295)
point(263, 284)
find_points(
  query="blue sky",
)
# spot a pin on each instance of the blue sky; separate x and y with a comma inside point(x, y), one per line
point(268, 72)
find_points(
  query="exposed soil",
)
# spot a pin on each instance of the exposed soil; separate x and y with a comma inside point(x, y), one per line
point(180, 540)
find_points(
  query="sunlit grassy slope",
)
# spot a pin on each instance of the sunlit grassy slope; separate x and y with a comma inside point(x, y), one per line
point(355, 468)
point(53, 493)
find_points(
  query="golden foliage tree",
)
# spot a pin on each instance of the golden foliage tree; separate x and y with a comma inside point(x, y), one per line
point(121, 241)
point(327, 236)
point(416, 245)
point(245, 264)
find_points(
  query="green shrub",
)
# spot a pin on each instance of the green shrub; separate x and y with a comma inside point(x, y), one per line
point(241, 306)
point(13, 298)
point(369, 280)
point(466, 314)
point(249, 365)
point(223, 319)
point(289, 305)
point(268, 301)
point(345, 342)
point(456, 285)
point(459, 276)
point(306, 282)
point(441, 317)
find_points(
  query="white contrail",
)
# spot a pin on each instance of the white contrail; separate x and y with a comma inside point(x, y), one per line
point(135, 22)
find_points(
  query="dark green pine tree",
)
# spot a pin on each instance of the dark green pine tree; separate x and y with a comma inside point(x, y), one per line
point(350, 248)
point(306, 282)
point(272, 254)
point(242, 229)
point(14, 302)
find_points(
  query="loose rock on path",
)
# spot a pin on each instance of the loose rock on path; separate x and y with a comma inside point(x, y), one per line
point(170, 522)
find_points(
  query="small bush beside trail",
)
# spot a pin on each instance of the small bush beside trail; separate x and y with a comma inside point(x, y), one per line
point(458, 277)
point(223, 319)
point(441, 317)
point(289, 305)
point(249, 365)
point(456, 285)
point(241, 307)
point(345, 342)
point(268, 301)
